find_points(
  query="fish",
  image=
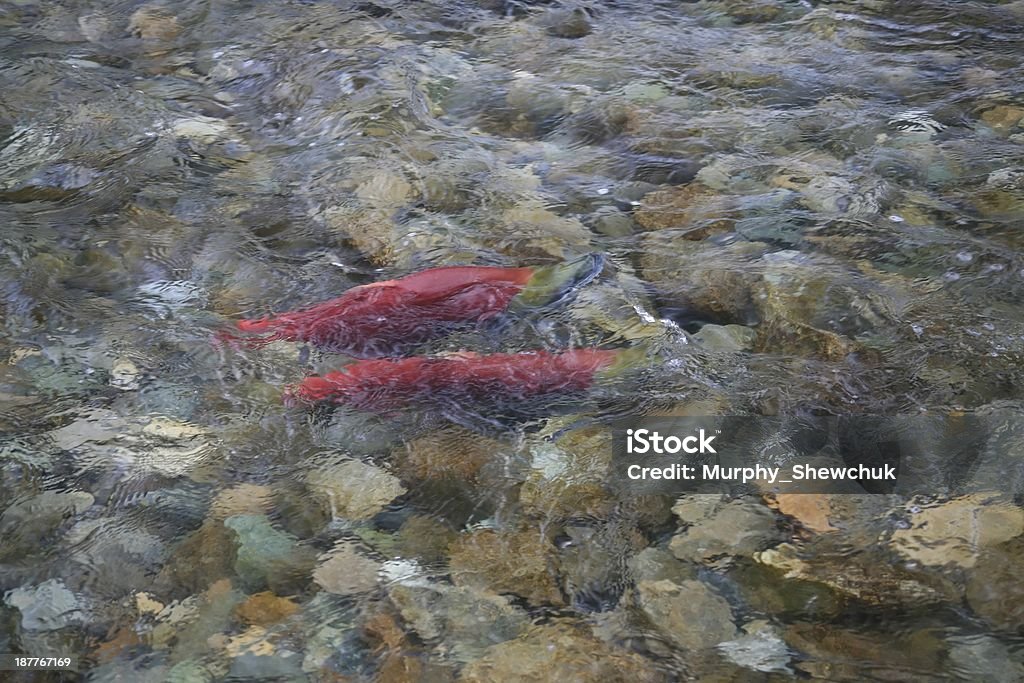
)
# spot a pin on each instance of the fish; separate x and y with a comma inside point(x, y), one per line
point(462, 379)
point(393, 317)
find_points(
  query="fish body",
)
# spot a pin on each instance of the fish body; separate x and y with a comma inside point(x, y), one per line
point(462, 379)
point(391, 318)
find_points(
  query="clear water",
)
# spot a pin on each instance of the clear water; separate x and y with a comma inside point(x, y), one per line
point(842, 181)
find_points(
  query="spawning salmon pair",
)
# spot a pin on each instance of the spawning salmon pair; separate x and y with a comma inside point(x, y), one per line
point(380, 321)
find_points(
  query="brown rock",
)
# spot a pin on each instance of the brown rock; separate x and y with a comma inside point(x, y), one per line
point(866, 576)
point(810, 509)
point(956, 532)
point(694, 206)
point(124, 639)
point(689, 613)
point(346, 572)
point(154, 23)
point(205, 556)
point(715, 280)
point(838, 654)
point(243, 499)
point(263, 609)
point(425, 539)
point(520, 562)
point(560, 652)
point(1003, 117)
point(446, 454)
point(404, 668)
point(382, 629)
point(994, 588)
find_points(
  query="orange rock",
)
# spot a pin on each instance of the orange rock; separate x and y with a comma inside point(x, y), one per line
point(111, 649)
point(520, 562)
point(263, 609)
point(810, 509)
point(693, 206)
point(383, 628)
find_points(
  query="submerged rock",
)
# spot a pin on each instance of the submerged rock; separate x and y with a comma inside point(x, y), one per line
point(46, 607)
point(760, 648)
point(690, 614)
point(696, 209)
point(994, 589)
point(344, 571)
point(727, 338)
point(956, 533)
point(264, 609)
point(353, 489)
point(1003, 118)
point(836, 653)
point(519, 562)
point(26, 525)
point(567, 22)
point(453, 453)
point(560, 652)
point(152, 22)
point(864, 576)
point(267, 556)
point(718, 528)
point(464, 620)
point(203, 557)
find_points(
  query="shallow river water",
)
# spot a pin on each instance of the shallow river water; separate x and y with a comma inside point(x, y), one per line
point(806, 209)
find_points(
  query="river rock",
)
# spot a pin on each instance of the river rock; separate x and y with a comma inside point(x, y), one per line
point(812, 510)
point(518, 562)
point(264, 609)
point(956, 532)
point(204, 556)
point(567, 477)
point(152, 22)
point(47, 606)
point(353, 489)
point(344, 571)
point(727, 338)
point(25, 525)
point(1003, 118)
point(760, 648)
point(864, 576)
point(718, 528)
point(464, 620)
point(994, 589)
point(424, 539)
point(984, 658)
point(657, 564)
point(567, 22)
point(768, 590)
point(695, 209)
point(452, 453)
point(267, 556)
point(242, 499)
point(559, 652)
point(690, 614)
point(840, 654)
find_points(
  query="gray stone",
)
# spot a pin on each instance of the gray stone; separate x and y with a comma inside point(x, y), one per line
point(46, 607)
point(690, 614)
point(735, 528)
